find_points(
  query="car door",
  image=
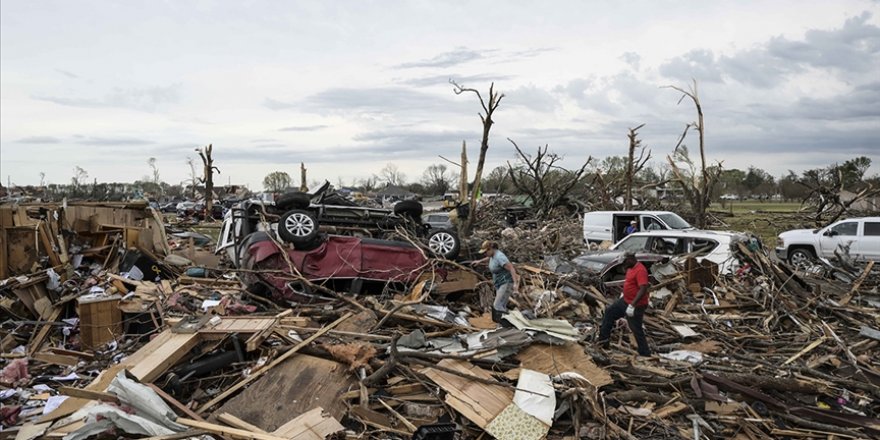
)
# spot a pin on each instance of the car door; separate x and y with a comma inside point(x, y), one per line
point(869, 244)
point(842, 233)
point(651, 223)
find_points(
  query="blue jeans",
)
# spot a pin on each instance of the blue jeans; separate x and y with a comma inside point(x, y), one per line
point(617, 310)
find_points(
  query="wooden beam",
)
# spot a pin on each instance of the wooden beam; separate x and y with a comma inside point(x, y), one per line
point(40, 336)
point(235, 422)
point(88, 394)
point(235, 388)
point(225, 430)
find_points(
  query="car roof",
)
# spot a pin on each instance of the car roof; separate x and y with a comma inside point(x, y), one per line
point(861, 218)
point(632, 212)
point(696, 233)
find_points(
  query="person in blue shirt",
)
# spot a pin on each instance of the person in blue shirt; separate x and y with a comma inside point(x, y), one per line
point(504, 277)
point(633, 227)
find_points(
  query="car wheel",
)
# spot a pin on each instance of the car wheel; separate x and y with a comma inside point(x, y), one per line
point(444, 243)
point(293, 200)
point(298, 227)
point(800, 257)
point(410, 209)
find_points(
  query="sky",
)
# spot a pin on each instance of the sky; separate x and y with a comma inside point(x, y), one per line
point(349, 86)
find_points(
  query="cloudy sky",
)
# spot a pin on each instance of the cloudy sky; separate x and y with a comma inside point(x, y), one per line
point(348, 86)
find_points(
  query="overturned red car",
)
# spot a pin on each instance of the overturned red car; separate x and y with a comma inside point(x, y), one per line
point(353, 261)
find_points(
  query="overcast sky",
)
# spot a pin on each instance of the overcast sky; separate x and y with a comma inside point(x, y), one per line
point(348, 86)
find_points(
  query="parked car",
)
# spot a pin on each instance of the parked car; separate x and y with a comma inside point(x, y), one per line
point(437, 220)
point(651, 247)
point(602, 226)
point(169, 208)
point(802, 246)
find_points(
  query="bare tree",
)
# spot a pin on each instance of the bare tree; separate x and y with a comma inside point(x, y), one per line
point(79, 177)
point(277, 181)
point(436, 179)
point(696, 183)
point(392, 175)
point(208, 179)
point(369, 183)
point(633, 165)
point(541, 179)
point(193, 177)
point(826, 188)
point(486, 117)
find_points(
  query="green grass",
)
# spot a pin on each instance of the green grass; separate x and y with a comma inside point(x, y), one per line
point(764, 219)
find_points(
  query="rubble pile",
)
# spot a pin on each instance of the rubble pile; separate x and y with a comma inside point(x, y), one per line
point(110, 332)
point(525, 237)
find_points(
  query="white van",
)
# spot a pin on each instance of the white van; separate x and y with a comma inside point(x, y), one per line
point(610, 226)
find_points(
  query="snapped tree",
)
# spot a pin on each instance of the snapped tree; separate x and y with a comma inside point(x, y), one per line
point(696, 182)
point(541, 179)
point(486, 117)
point(208, 177)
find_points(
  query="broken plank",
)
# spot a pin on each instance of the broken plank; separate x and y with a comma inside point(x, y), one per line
point(55, 359)
point(41, 335)
point(83, 393)
point(806, 350)
point(235, 422)
point(312, 425)
point(225, 430)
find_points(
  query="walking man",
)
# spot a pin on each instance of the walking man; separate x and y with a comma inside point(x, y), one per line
point(631, 305)
point(504, 277)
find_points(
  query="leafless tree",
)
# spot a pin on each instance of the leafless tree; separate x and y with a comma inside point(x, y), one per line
point(825, 190)
point(369, 183)
point(277, 181)
point(634, 165)
point(392, 175)
point(486, 117)
point(193, 177)
point(436, 179)
point(697, 183)
point(541, 179)
point(208, 179)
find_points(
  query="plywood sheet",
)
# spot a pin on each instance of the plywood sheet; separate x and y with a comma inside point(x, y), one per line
point(294, 387)
point(555, 359)
point(478, 402)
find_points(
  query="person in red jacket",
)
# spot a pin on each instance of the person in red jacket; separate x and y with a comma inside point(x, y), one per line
point(631, 305)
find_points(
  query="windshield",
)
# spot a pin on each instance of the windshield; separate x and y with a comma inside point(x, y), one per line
point(674, 221)
point(633, 243)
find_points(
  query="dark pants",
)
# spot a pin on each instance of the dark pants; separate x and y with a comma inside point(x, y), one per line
point(617, 310)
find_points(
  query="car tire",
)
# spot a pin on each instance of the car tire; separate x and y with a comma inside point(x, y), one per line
point(444, 243)
point(293, 200)
point(298, 227)
point(799, 256)
point(410, 209)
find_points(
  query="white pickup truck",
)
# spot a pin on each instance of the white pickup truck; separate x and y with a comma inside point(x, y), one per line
point(800, 246)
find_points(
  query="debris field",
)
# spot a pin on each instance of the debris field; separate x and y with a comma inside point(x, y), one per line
point(119, 324)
